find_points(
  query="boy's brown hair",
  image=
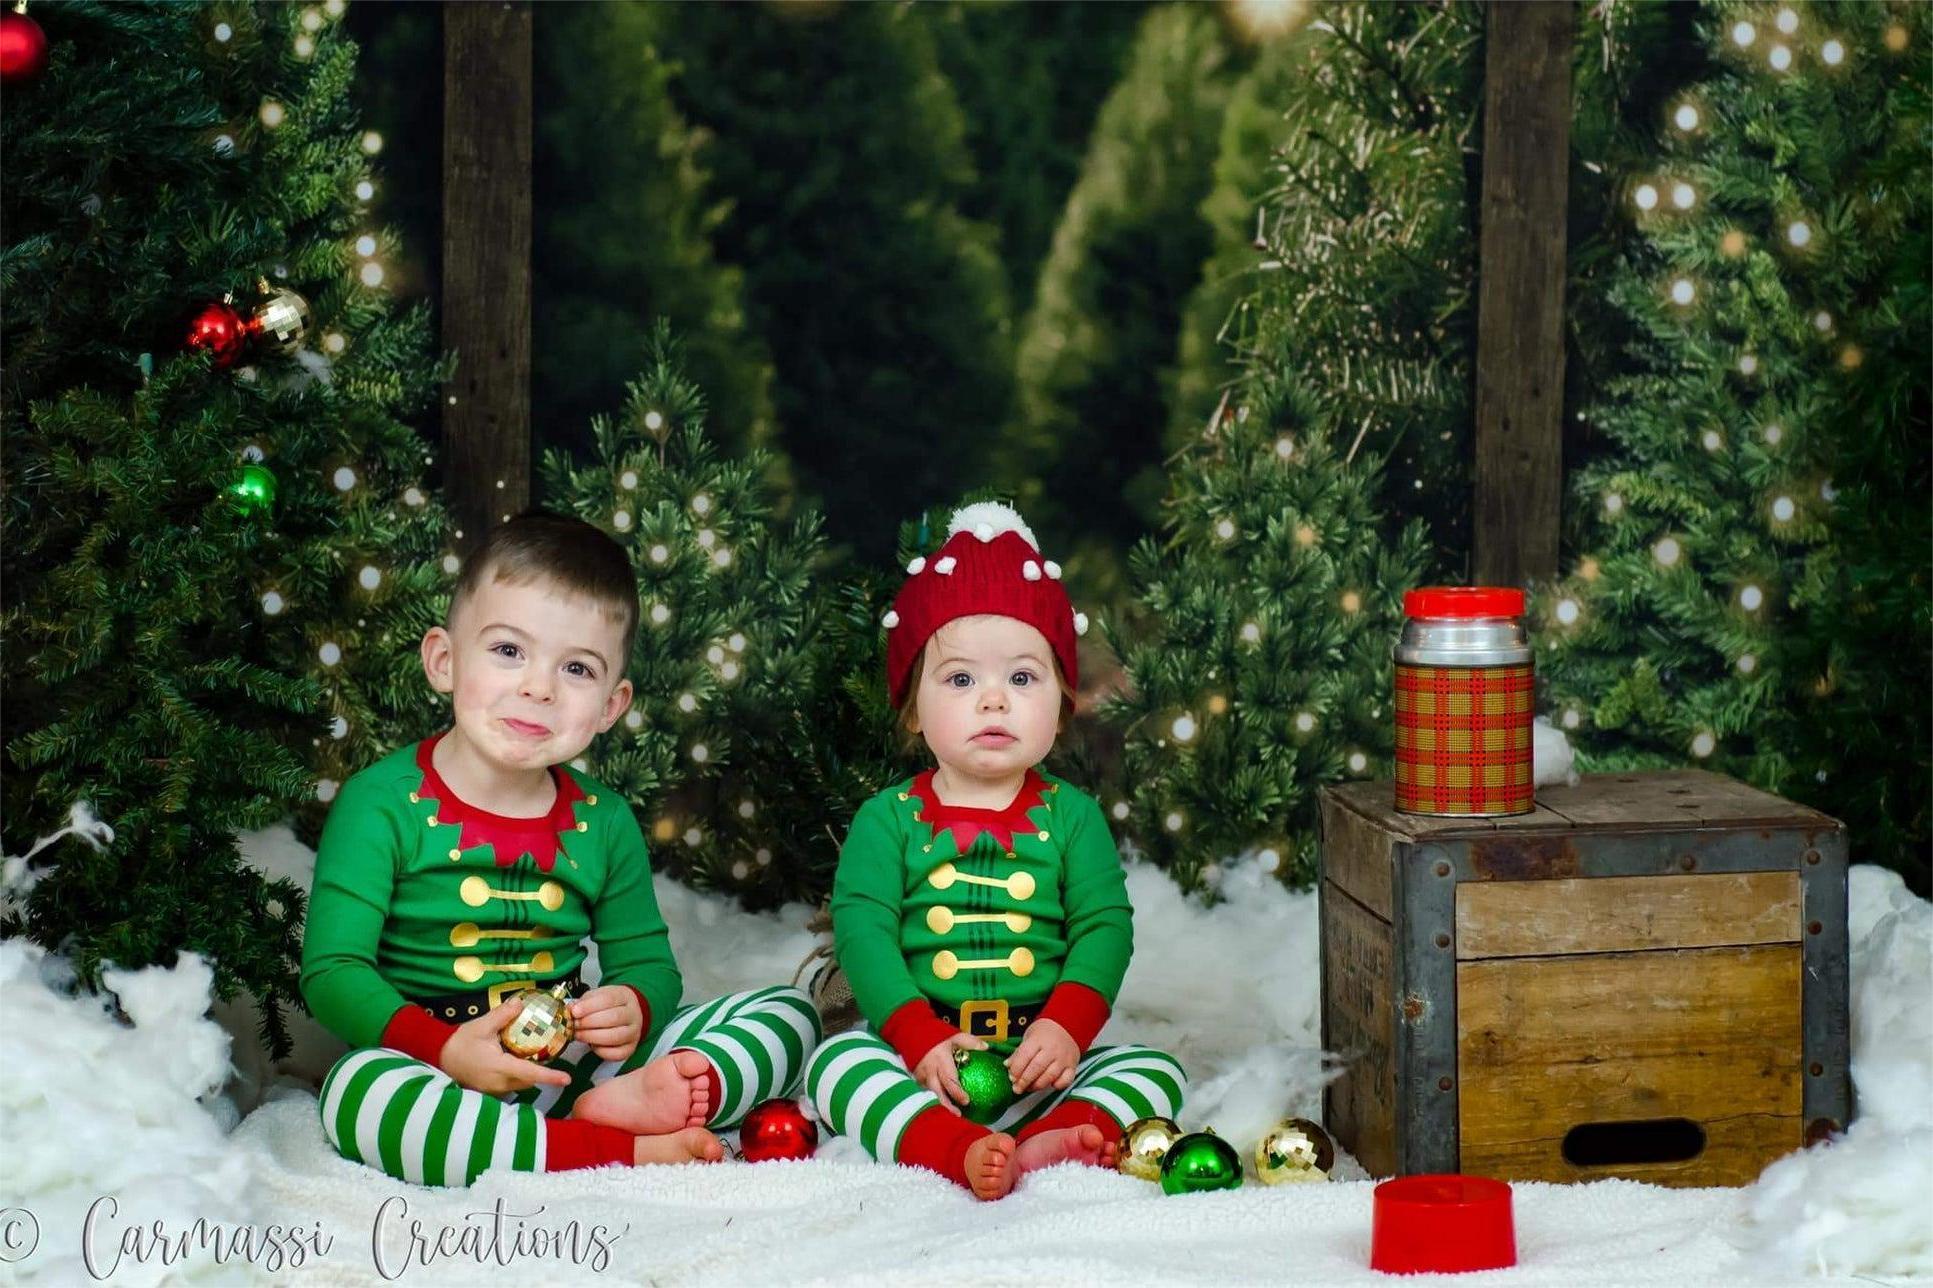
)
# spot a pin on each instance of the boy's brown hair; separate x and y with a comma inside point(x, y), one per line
point(574, 554)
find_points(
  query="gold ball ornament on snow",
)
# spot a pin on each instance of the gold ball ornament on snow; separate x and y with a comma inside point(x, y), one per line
point(1292, 1151)
point(544, 1027)
point(1144, 1144)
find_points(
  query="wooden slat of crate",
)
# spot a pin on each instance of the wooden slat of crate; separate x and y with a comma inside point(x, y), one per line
point(1548, 1044)
point(1358, 1024)
point(1620, 914)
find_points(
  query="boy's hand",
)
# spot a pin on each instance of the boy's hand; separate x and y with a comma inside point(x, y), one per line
point(475, 1057)
point(939, 1075)
point(609, 1021)
point(1045, 1058)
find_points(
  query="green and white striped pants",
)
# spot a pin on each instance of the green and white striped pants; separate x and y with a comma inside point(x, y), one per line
point(413, 1121)
point(861, 1087)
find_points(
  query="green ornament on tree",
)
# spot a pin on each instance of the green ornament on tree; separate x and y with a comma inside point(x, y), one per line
point(1200, 1161)
point(253, 490)
point(989, 1088)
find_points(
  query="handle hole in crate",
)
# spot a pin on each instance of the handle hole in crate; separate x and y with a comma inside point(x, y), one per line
point(1651, 1140)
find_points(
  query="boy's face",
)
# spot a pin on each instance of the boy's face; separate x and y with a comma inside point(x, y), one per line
point(533, 671)
point(989, 699)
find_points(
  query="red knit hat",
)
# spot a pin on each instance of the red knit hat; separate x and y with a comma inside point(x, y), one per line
point(989, 564)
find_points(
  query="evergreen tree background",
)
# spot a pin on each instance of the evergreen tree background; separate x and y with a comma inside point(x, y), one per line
point(1082, 457)
point(625, 217)
point(188, 661)
point(753, 737)
point(1259, 664)
point(1748, 588)
point(1368, 304)
point(840, 147)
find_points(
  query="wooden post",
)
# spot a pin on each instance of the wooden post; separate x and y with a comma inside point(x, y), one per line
point(1520, 299)
point(486, 260)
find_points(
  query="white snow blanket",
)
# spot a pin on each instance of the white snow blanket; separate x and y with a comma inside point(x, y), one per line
point(126, 1122)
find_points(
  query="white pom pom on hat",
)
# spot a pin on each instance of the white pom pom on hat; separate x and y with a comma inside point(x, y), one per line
point(988, 519)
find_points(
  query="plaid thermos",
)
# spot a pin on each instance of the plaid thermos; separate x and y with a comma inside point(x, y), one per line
point(1463, 692)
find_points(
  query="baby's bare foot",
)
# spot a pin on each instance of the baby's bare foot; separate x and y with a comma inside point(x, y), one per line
point(989, 1166)
point(1086, 1144)
point(669, 1093)
point(690, 1145)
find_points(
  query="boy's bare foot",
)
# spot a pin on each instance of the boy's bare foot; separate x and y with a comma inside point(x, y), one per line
point(665, 1095)
point(689, 1145)
point(1086, 1144)
point(989, 1166)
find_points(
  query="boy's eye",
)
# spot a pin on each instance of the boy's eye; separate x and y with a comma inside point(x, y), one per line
point(958, 680)
point(580, 669)
point(498, 649)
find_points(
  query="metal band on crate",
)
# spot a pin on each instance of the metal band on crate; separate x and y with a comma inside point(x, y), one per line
point(1463, 742)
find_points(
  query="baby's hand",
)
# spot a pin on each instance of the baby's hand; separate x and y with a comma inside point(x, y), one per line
point(1046, 1058)
point(475, 1057)
point(609, 1021)
point(939, 1075)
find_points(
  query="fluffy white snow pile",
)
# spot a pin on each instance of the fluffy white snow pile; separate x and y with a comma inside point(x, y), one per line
point(1863, 1205)
point(97, 1106)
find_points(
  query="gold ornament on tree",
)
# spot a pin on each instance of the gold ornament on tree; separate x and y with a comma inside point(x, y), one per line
point(281, 322)
point(543, 1028)
point(1144, 1144)
point(1294, 1150)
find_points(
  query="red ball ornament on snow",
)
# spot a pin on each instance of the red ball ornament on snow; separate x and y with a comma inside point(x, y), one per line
point(777, 1129)
point(220, 330)
point(23, 48)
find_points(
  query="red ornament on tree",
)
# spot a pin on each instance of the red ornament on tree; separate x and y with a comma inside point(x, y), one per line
point(220, 330)
point(23, 47)
point(777, 1129)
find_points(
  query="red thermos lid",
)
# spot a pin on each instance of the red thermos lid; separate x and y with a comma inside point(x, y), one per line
point(1463, 601)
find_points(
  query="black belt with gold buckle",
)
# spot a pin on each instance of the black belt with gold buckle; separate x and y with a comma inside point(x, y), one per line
point(991, 1018)
point(460, 1007)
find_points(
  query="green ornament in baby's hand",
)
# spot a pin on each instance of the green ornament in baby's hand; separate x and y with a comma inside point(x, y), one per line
point(989, 1087)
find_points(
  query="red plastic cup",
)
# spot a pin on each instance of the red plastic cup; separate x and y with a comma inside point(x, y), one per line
point(1442, 1224)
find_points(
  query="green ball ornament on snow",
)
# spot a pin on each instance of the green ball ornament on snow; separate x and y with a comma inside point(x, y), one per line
point(1200, 1161)
point(989, 1087)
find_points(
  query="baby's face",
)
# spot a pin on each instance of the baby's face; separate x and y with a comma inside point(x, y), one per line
point(533, 672)
point(988, 702)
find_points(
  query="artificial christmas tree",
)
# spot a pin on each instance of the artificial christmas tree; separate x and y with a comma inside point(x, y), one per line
point(747, 748)
point(1748, 587)
point(215, 575)
point(1259, 660)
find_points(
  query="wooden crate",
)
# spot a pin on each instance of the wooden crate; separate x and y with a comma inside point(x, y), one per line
point(1644, 977)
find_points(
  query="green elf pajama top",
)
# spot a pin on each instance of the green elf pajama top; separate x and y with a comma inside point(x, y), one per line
point(419, 894)
point(947, 918)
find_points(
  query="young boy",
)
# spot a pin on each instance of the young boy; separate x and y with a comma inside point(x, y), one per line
point(456, 874)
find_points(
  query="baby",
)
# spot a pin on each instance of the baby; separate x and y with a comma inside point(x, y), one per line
point(981, 904)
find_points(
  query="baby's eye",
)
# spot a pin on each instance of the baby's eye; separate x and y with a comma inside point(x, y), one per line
point(958, 680)
point(498, 649)
point(1021, 679)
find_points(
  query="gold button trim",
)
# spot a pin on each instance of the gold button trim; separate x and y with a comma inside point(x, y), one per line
point(455, 855)
point(903, 796)
point(467, 934)
point(1043, 836)
point(583, 827)
point(414, 798)
point(947, 963)
point(471, 969)
point(591, 799)
point(1018, 885)
point(476, 892)
point(941, 920)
